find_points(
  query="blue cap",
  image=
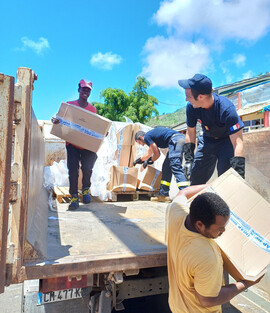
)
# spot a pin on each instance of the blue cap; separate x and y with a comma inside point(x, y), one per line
point(199, 82)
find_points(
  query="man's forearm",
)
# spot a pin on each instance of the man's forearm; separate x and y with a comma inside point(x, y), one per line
point(225, 295)
point(230, 291)
point(190, 191)
point(191, 135)
point(146, 156)
point(237, 142)
point(152, 151)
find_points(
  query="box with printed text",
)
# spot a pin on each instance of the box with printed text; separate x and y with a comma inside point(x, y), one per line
point(245, 245)
point(80, 127)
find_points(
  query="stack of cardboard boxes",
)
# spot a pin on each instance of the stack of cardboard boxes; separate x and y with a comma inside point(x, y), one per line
point(126, 177)
point(88, 130)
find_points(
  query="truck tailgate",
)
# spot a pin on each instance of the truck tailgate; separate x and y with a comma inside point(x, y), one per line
point(102, 237)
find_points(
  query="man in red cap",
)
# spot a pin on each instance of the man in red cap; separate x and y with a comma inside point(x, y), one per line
point(77, 155)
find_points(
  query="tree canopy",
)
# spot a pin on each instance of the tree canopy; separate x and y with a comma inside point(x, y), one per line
point(138, 105)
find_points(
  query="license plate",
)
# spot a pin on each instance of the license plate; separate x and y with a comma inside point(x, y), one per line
point(58, 295)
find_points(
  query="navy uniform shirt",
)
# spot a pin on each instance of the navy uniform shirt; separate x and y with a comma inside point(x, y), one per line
point(160, 136)
point(220, 121)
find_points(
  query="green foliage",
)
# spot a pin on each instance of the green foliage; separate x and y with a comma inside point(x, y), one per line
point(142, 105)
point(169, 120)
point(116, 102)
point(137, 105)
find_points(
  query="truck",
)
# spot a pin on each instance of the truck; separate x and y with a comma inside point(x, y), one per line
point(93, 259)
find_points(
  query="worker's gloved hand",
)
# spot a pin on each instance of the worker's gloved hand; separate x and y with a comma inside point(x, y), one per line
point(187, 170)
point(55, 120)
point(149, 161)
point(137, 161)
point(238, 164)
point(189, 157)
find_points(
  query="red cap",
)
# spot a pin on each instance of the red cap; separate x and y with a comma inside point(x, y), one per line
point(84, 83)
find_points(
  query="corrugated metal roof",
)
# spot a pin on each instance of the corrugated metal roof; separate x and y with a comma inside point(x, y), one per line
point(230, 89)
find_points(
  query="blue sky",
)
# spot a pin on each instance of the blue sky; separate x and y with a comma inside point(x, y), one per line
point(112, 42)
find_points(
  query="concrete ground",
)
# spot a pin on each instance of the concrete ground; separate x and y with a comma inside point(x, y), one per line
point(11, 299)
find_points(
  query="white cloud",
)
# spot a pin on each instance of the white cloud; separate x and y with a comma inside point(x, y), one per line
point(216, 18)
point(248, 74)
point(239, 59)
point(198, 29)
point(170, 59)
point(105, 61)
point(38, 46)
point(227, 74)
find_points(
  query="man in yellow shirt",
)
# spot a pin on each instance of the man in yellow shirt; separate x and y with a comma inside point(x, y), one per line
point(195, 265)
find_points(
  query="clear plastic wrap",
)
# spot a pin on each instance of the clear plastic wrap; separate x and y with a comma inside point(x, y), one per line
point(56, 175)
point(106, 159)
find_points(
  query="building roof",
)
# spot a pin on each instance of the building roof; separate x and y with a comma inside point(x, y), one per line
point(230, 89)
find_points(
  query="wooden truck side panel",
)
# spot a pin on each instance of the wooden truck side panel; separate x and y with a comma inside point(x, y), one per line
point(6, 121)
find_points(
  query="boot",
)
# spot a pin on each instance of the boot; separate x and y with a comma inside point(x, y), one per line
point(86, 196)
point(74, 204)
point(160, 198)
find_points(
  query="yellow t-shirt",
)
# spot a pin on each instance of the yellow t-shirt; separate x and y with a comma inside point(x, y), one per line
point(194, 262)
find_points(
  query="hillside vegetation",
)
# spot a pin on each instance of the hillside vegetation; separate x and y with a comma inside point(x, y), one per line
point(168, 120)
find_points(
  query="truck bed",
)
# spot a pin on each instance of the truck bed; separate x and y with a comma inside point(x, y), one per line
point(101, 237)
point(115, 236)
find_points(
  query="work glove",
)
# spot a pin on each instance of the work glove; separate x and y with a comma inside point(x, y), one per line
point(137, 161)
point(238, 164)
point(189, 157)
point(55, 120)
point(149, 161)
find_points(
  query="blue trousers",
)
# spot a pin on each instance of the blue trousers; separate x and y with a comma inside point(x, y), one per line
point(173, 165)
point(210, 152)
point(75, 157)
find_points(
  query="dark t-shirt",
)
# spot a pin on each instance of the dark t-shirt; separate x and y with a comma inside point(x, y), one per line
point(220, 121)
point(160, 136)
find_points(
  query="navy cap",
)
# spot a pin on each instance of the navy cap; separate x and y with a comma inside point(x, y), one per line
point(199, 82)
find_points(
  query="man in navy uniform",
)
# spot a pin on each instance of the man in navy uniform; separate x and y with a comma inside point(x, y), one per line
point(222, 140)
point(162, 137)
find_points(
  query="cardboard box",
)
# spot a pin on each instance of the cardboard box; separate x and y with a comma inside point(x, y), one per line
point(122, 155)
point(123, 178)
point(133, 154)
point(136, 149)
point(135, 128)
point(81, 127)
point(124, 135)
point(124, 138)
point(245, 244)
point(149, 179)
